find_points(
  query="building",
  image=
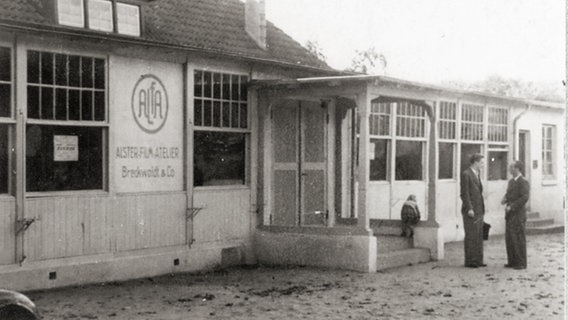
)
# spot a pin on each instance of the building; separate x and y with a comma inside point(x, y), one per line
point(156, 136)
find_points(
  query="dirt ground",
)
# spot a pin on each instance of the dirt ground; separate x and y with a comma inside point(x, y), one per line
point(435, 290)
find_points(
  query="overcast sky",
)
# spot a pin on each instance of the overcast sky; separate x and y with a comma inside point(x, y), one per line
point(435, 40)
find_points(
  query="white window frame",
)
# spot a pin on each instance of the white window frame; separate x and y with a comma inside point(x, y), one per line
point(97, 17)
point(67, 17)
point(498, 117)
point(468, 120)
point(128, 19)
point(546, 137)
point(10, 121)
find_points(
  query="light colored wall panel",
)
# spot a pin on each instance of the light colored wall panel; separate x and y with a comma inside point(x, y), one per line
point(7, 231)
point(447, 210)
point(225, 214)
point(379, 198)
point(149, 220)
point(401, 190)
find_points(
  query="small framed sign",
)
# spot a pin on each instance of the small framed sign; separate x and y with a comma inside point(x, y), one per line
point(65, 148)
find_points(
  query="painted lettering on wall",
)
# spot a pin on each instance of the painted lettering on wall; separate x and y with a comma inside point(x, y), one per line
point(150, 103)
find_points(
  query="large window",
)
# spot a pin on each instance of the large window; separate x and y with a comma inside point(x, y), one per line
point(446, 160)
point(447, 124)
point(379, 164)
point(497, 164)
point(548, 140)
point(497, 128)
point(409, 160)
point(66, 125)
point(100, 15)
point(221, 121)
point(6, 119)
point(472, 122)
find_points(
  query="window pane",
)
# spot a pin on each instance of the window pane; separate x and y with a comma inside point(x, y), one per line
point(226, 87)
point(86, 105)
point(100, 15)
point(100, 106)
point(46, 68)
point(86, 72)
point(207, 84)
point(198, 113)
point(99, 73)
point(207, 113)
point(70, 12)
point(219, 158)
point(33, 67)
point(408, 165)
point(243, 116)
point(243, 88)
point(198, 84)
point(235, 87)
point(5, 105)
point(217, 86)
point(74, 71)
point(33, 102)
point(4, 158)
point(128, 19)
point(46, 103)
point(217, 114)
point(226, 115)
point(5, 64)
point(378, 167)
point(74, 105)
point(497, 165)
point(446, 161)
point(61, 104)
point(234, 115)
point(61, 69)
point(46, 174)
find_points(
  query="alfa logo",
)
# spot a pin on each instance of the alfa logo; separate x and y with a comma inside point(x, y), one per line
point(150, 103)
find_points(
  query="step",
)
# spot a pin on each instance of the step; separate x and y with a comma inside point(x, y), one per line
point(555, 228)
point(401, 258)
point(533, 215)
point(388, 243)
point(531, 223)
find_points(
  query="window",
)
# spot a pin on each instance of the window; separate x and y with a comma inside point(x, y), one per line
point(497, 165)
point(379, 120)
point(100, 15)
point(446, 160)
point(410, 120)
point(221, 128)
point(497, 128)
point(379, 165)
point(6, 120)
point(408, 160)
point(70, 13)
point(472, 122)
point(447, 120)
point(128, 19)
point(548, 139)
point(66, 126)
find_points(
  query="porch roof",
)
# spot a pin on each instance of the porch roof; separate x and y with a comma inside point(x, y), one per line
point(390, 82)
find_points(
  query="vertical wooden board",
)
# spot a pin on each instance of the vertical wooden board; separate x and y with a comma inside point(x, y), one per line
point(284, 132)
point(447, 209)
point(7, 232)
point(379, 201)
point(314, 197)
point(285, 197)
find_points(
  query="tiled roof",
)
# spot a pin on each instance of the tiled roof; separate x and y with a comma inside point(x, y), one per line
point(208, 25)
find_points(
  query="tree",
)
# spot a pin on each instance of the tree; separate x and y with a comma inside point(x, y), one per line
point(509, 87)
point(315, 49)
point(369, 62)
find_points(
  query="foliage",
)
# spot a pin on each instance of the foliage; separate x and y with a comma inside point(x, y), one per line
point(315, 49)
point(369, 62)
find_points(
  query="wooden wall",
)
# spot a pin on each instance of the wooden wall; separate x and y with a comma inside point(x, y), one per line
point(7, 230)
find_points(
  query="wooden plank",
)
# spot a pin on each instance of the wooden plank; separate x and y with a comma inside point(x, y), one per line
point(7, 231)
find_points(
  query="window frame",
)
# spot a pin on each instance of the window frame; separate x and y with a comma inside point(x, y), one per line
point(104, 125)
point(464, 122)
point(443, 116)
point(202, 128)
point(546, 176)
point(10, 122)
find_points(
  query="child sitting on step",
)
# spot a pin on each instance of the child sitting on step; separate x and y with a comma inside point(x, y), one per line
point(409, 216)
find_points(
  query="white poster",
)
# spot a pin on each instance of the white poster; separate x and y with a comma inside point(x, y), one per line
point(65, 148)
point(147, 125)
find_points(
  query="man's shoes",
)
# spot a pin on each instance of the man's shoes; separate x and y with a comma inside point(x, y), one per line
point(472, 266)
point(508, 266)
point(519, 267)
point(483, 265)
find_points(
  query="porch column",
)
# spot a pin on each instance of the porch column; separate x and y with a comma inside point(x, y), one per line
point(363, 103)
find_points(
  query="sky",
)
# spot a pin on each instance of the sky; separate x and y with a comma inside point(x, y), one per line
point(435, 40)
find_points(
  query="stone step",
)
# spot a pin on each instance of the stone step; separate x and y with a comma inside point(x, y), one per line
point(388, 243)
point(533, 215)
point(555, 228)
point(531, 223)
point(401, 258)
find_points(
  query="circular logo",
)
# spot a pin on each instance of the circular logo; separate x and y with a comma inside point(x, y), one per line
point(150, 103)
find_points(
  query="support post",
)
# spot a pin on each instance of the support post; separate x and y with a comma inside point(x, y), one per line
point(363, 163)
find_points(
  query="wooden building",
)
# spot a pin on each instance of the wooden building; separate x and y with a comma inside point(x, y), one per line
point(148, 137)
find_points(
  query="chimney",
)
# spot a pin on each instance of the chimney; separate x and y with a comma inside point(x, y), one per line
point(255, 21)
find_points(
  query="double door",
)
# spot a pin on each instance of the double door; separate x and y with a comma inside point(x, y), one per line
point(299, 168)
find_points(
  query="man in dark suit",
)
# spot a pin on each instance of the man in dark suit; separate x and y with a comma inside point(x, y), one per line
point(515, 218)
point(473, 210)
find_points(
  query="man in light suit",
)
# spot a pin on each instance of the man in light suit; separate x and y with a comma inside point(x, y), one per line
point(515, 218)
point(473, 210)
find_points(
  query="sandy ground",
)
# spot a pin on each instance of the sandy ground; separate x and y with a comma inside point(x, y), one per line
point(435, 290)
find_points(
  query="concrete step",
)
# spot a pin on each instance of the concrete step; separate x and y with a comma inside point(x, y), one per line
point(531, 223)
point(388, 243)
point(533, 215)
point(555, 228)
point(401, 258)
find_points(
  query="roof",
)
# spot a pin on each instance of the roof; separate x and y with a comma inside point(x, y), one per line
point(384, 80)
point(211, 26)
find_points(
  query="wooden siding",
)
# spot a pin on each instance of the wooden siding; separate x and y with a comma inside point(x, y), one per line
point(78, 225)
point(7, 231)
point(448, 206)
point(225, 214)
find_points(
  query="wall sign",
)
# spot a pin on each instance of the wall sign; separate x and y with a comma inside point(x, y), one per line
point(150, 103)
point(65, 148)
point(147, 133)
